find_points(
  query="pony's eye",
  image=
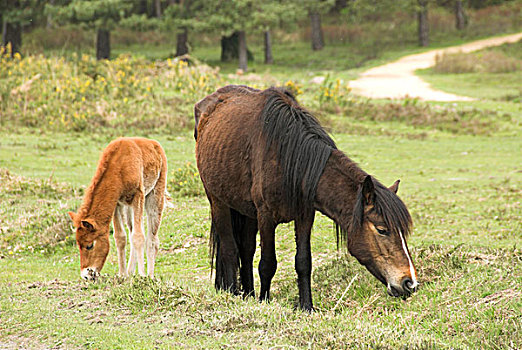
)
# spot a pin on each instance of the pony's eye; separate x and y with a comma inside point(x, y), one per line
point(383, 232)
point(89, 247)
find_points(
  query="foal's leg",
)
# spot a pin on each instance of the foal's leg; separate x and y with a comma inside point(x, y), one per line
point(137, 237)
point(128, 215)
point(303, 260)
point(227, 260)
point(154, 207)
point(268, 262)
point(247, 250)
point(120, 238)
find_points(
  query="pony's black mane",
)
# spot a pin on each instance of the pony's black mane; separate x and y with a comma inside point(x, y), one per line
point(301, 144)
point(387, 205)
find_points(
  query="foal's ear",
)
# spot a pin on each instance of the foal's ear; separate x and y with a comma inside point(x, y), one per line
point(395, 187)
point(88, 225)
point(368, 190)
point(72, 215)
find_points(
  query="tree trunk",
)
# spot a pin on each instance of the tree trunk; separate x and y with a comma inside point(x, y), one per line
point(268, 48)
point(181, 43)
point(12, 33)
point(157, 8)
point(230, 48)
point(243, 56)
point(103, 44)
point(460, 16)
point(422, 16)
point(4, 32)
point(317, 31)
point(143, 8)
point(49, 23)
point(339, 5)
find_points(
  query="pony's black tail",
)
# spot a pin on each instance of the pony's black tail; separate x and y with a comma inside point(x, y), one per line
point(238, 223)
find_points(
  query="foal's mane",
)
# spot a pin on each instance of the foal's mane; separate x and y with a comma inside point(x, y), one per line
point(103, 164)
point(302, 146)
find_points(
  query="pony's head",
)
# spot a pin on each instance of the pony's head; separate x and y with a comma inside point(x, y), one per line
point(377, 237)
point(93, 242)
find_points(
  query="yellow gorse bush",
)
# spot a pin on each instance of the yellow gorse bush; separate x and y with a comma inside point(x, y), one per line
point(293, 87)
point(334, 93)
point(185, 181)
point(80, 92)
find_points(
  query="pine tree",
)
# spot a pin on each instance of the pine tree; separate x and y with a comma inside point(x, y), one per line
point(101, 15)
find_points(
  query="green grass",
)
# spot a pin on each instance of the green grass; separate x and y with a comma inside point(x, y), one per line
point(490, 86)
point(463, 193)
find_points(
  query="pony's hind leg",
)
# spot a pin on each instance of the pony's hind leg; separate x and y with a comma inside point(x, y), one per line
point(120, 238)
point(154, 207)
point(247, 248)
point(268, 262)
point(227, 255)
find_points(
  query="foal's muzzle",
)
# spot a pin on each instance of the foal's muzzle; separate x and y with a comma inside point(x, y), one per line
point(89, 274)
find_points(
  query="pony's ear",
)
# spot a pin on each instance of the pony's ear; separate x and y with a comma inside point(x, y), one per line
point(88, 225)
point(395, 187)
point(368, 190)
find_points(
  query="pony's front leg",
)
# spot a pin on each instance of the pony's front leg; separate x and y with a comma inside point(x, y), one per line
point(137, 238)
point(303, 260)
point(120, 238)
point(268, 262)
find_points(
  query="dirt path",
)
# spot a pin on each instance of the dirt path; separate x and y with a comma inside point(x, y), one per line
point(397, 79)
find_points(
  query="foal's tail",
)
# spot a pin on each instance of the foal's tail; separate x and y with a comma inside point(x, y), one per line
point(216, 262)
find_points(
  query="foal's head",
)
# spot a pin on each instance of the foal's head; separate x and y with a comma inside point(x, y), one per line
point(93, 242)
point(377, 237)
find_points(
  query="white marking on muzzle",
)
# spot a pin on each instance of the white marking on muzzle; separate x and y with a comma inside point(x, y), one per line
point(89, 273)
point(412, 269)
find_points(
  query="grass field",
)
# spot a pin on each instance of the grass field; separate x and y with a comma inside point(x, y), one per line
point(461, 178)
point(463, 192)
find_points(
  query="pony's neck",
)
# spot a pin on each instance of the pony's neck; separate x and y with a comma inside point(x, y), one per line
point(100, 202)
point(337, 188)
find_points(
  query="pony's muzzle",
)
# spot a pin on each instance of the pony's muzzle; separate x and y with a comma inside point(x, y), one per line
point(406, 288)
point(408, 285)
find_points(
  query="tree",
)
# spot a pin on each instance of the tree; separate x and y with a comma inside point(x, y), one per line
point(177, 17)
point(423, 26)
point(14, 15)
point(235, 18)
point(102, 15)
point(315, 8)
point(268, 15)
point(460, 16)
point(157, 8)
point(268, 48)
point(317, 31)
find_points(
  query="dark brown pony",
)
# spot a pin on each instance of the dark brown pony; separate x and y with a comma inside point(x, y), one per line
point(264, 160)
